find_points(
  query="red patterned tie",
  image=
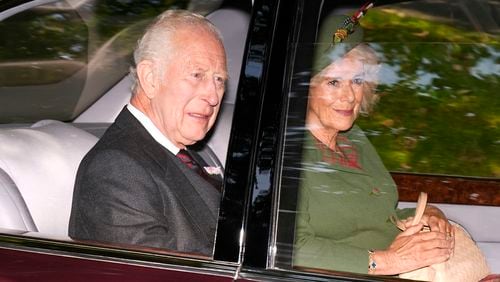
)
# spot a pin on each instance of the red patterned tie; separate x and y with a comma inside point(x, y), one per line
point(184, 156)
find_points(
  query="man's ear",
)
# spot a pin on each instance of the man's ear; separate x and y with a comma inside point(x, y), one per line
point(146, 73)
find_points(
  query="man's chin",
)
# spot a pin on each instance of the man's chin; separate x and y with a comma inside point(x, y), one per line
point(190, 139)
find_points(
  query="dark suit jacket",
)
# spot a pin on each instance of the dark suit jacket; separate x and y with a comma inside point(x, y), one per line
point(130, 189)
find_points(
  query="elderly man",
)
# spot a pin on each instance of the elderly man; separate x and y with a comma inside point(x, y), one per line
point(131, 188)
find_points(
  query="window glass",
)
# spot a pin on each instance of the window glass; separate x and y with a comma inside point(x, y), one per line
point(437, 113)
point(58, 58)
point(48, 47)
point(61, 38)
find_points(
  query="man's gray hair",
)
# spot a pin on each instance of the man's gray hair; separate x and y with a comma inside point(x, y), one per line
point(157, 39)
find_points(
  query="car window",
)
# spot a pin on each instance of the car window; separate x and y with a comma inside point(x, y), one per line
point(47, 46)
point(61, 57)
point(437, 112)
point(58, 58)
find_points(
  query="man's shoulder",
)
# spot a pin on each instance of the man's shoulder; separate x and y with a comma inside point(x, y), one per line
point(125, 133)
point(115, 139)
point(126, 149)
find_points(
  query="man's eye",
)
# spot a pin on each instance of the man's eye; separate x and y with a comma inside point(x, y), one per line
point(197, 75)
point(220, 80)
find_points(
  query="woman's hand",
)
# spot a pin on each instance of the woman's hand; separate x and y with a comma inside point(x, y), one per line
point(437, 221)
point(413, 249)
point(434, 220)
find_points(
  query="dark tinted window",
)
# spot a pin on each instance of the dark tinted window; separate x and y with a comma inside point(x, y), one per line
point(438, 109)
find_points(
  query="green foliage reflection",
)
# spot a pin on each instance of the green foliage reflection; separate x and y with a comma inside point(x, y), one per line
point(439, 111)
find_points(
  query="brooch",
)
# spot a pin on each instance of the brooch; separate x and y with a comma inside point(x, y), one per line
point(349, 23)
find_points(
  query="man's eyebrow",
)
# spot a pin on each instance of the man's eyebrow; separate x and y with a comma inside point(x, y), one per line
point(225, 75)
point(205, 68)
point(199, 67)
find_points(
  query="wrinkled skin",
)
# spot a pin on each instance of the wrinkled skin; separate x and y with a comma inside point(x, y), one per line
point(182, 96)
point(335, 98)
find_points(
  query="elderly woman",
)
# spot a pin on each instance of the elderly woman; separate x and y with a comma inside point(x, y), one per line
point(347, 199)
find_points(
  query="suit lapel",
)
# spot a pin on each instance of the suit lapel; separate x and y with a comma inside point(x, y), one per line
point(209, 195)
point(199, 199)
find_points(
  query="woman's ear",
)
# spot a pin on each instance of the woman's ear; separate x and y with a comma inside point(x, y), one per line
point(146, 73)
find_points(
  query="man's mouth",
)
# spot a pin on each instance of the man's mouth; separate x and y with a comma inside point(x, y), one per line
point(199, 116)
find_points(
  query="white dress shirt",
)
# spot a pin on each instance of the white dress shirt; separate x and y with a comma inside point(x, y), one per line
point(153, 130)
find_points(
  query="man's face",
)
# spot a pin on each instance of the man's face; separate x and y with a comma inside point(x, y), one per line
point(336, 94)
point(191, 88)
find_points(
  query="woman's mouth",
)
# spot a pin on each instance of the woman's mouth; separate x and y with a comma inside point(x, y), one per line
point(345, 112)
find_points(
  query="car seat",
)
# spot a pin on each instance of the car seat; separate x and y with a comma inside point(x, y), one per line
point(14, 213)
point(38, 168)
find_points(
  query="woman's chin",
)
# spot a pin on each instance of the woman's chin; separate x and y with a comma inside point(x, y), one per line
point(344, 126)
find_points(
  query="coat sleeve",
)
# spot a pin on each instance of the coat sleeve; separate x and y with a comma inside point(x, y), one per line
point(324, 253)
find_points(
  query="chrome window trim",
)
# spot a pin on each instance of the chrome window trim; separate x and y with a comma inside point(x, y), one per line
point(18, 9)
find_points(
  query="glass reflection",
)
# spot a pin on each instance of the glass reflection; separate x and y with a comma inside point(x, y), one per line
point(438, 113)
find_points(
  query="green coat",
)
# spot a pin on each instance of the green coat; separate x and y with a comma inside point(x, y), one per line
point(343, 211)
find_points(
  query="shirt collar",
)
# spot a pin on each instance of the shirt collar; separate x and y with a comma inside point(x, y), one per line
point(348, 157)
point(152, 129)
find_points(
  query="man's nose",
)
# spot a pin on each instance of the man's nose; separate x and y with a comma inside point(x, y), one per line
point(210, 92)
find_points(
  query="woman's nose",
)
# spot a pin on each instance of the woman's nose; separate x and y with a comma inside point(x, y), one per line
point(347, 93)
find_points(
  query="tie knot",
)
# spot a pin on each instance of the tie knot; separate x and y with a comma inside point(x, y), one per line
point(184, 156)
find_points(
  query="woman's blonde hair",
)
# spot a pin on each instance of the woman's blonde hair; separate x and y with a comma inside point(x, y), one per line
point(371, 65)
point(364, 53)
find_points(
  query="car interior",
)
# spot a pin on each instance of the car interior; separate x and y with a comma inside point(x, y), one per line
point(45, 155)
point(479, 221)
point(39, 161)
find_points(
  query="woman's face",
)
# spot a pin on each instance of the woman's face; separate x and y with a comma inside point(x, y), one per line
point(335, 95)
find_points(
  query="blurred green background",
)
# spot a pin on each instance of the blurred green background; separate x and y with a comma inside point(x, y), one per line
point(439, 109)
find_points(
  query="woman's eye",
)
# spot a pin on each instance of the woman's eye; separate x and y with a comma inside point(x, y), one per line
point(334, 82)
point(358, 81)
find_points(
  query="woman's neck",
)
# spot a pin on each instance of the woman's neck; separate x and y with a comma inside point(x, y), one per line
point(324, 135)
